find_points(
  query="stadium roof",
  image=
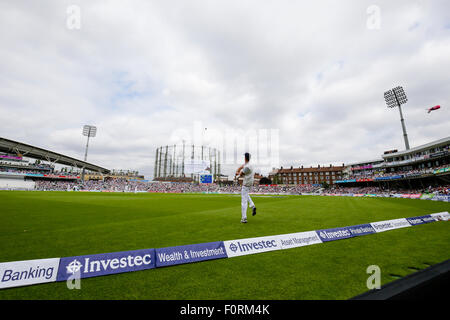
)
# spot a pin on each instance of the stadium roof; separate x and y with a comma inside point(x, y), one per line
point(424, 147)
point(364, 162)
point(30, 151)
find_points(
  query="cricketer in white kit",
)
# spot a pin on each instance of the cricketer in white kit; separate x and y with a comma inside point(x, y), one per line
point(246, 171)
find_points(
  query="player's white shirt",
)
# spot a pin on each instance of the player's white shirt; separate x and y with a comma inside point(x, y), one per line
point(248, 175)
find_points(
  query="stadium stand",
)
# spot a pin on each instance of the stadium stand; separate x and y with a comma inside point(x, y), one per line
point(123, 185)
point(23, 166)
point(428, 160)
point(421, 170)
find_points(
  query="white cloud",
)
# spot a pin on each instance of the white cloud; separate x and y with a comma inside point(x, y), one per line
point(140, 70)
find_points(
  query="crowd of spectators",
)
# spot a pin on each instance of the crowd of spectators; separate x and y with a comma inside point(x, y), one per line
point(372, 174)
point(354, 190)
point(444, 190)
point(439, 190)
point(122, 185)
point(52, 185)
point(92, 185)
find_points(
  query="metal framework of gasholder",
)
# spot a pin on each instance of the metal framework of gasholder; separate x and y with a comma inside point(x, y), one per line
point(170, 160)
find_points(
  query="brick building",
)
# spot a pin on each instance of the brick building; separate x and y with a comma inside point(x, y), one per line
point(312, 175)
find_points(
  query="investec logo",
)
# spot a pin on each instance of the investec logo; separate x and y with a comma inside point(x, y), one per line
point(243, 247)
point(263, 245)
point(390, 224)
point(441, 216)
point(334, 234)
point(383, 226)
point(103, 265)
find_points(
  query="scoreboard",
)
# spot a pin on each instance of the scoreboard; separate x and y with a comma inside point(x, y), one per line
point(206, 178)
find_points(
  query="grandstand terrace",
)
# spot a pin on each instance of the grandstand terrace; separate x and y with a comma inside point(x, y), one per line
point(25, 150)
point(115, 174)
point(428, 164)
point(435, 153)
point(21, 165)
point(122, 185)
point(415, 170)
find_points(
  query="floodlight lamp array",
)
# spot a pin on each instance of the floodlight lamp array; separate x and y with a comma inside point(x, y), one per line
point(89, 131)
point(395, 97)
point(401, 95)
point(389, 96)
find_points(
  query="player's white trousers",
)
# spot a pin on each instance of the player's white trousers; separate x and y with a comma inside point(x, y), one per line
point(246, 200)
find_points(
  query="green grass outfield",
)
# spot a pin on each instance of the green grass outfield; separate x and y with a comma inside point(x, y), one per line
point(36, 225)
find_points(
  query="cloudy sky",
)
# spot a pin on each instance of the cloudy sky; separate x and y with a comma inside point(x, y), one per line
point(141, 71)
